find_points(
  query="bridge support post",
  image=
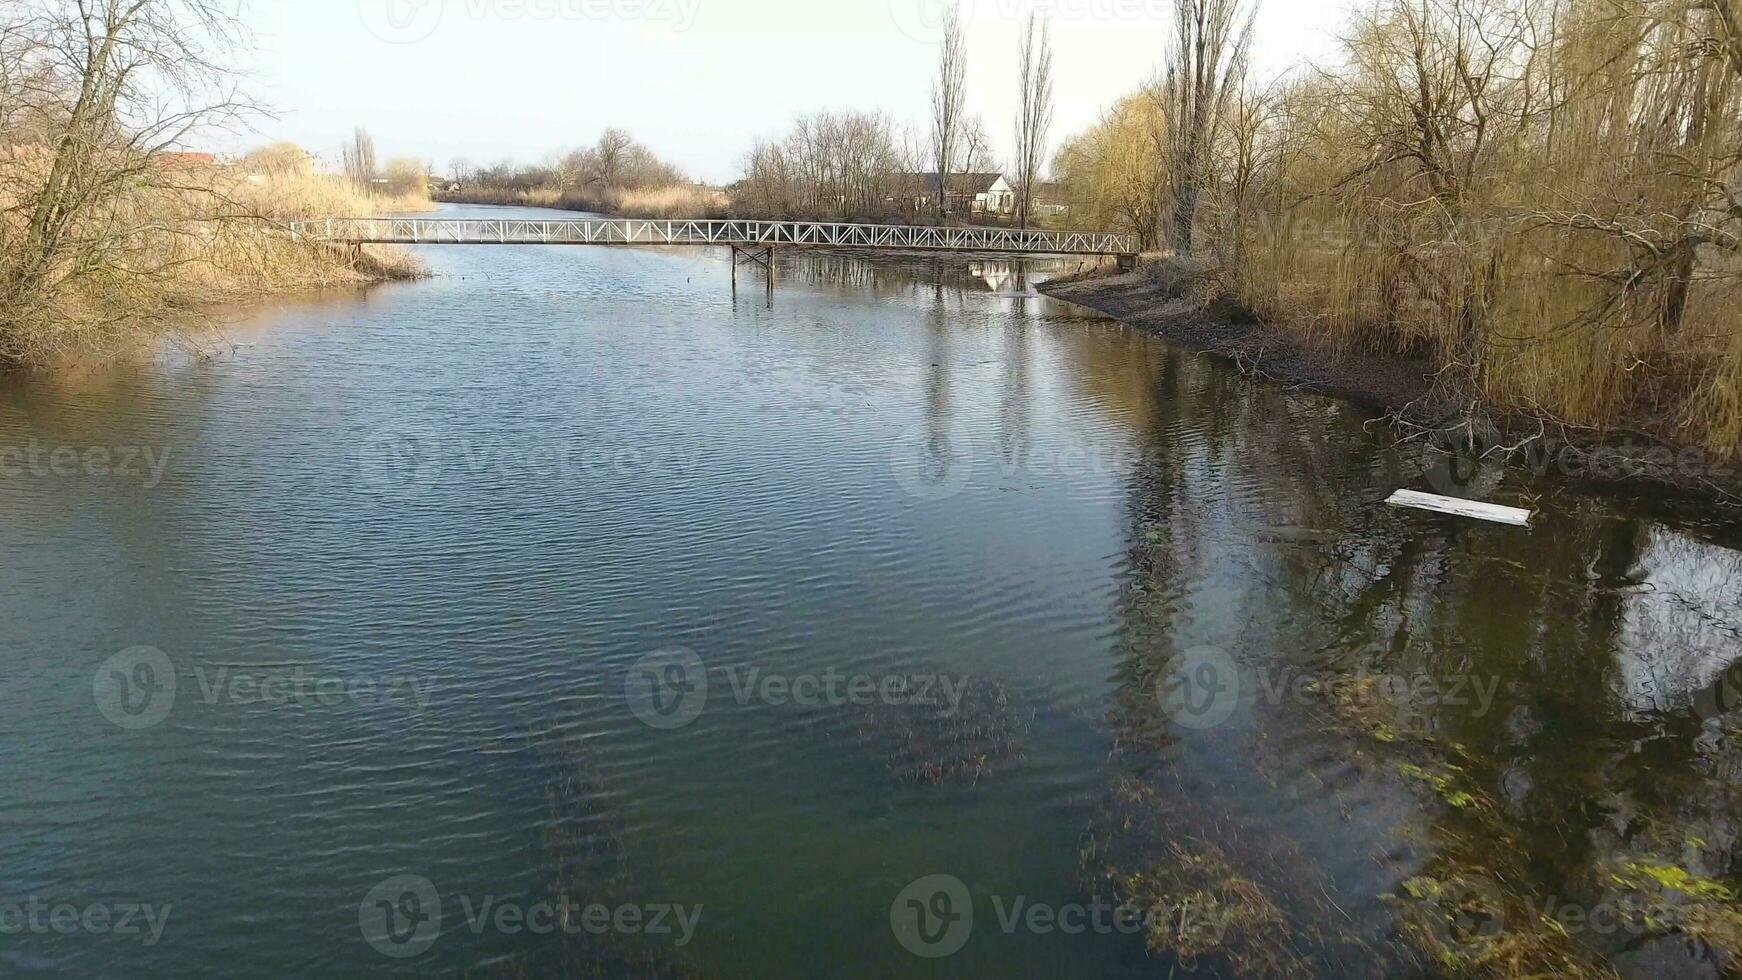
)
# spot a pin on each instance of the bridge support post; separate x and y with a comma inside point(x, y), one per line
point(763, 257)
point(1127, 262)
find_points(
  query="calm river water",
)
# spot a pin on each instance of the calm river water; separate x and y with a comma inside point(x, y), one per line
point(559, 613)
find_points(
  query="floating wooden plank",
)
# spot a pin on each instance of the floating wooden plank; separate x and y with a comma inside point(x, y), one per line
point(1460, 507)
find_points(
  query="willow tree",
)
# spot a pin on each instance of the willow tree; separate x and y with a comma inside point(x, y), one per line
point(1112, 171)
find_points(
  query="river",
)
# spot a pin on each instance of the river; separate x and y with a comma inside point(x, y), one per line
point(565, 578)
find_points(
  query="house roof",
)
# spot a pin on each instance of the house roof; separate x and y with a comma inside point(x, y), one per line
point(970, 183)
point(1051, 192)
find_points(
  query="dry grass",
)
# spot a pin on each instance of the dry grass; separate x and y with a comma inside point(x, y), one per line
point(674, 201)
point(1534, 196)
point(229, 258)
point(681, 201)
point(188, 240)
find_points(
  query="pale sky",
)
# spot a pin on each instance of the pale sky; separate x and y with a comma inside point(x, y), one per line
point(697, 80)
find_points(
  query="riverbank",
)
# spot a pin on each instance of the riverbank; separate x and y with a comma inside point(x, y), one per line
point(1169, 304)
point(255, 263)
point(196, 237)
point(1461, 439)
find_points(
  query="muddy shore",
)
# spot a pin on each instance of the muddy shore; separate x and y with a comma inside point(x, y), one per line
point(1401, 389)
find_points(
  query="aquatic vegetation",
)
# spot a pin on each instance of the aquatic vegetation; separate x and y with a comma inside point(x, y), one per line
point(1469, 922)
point(1671, 899)
point(1210, 901)
point(585, 853)
point(1199, 906)
point(1477, 890)
point(1364, 706)
point(1354, 708)
point(1474, 911)
point(585, 862)
point(937, 743)
point(1444, 785)
point(1672, 878)
point(1467, 925)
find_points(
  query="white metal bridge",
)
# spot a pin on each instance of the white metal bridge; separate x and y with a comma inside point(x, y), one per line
point(737, 234)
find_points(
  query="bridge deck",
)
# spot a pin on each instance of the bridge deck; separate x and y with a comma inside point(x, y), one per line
point(624, 231)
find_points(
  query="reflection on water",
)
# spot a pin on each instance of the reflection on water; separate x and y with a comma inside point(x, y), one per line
point(1008, 278)
point(1178, 653)
point(1422, 699)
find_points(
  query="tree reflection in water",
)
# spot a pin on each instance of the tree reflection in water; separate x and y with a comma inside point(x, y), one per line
point(1386, 823)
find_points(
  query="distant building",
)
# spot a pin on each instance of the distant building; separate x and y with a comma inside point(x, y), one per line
point(978, 193)
point(1051, 199)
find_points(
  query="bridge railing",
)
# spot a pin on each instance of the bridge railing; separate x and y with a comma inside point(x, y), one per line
point(636, 231)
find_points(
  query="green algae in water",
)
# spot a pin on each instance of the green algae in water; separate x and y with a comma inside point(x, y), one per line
point(1462, 799)
point(1672, 899)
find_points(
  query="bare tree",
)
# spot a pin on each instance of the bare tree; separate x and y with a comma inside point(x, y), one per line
point(831, 165)
point(358, 159)
point(1206, 62)
point(1034, 117)
point(616, 162)
point(948, 103)
point(94, 93)
point(611, 157)
point(1242, 151)
point(975, 150)
point(1539, 199)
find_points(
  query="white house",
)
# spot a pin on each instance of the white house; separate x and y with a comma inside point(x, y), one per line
point(980, 193)
point(998, 197)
